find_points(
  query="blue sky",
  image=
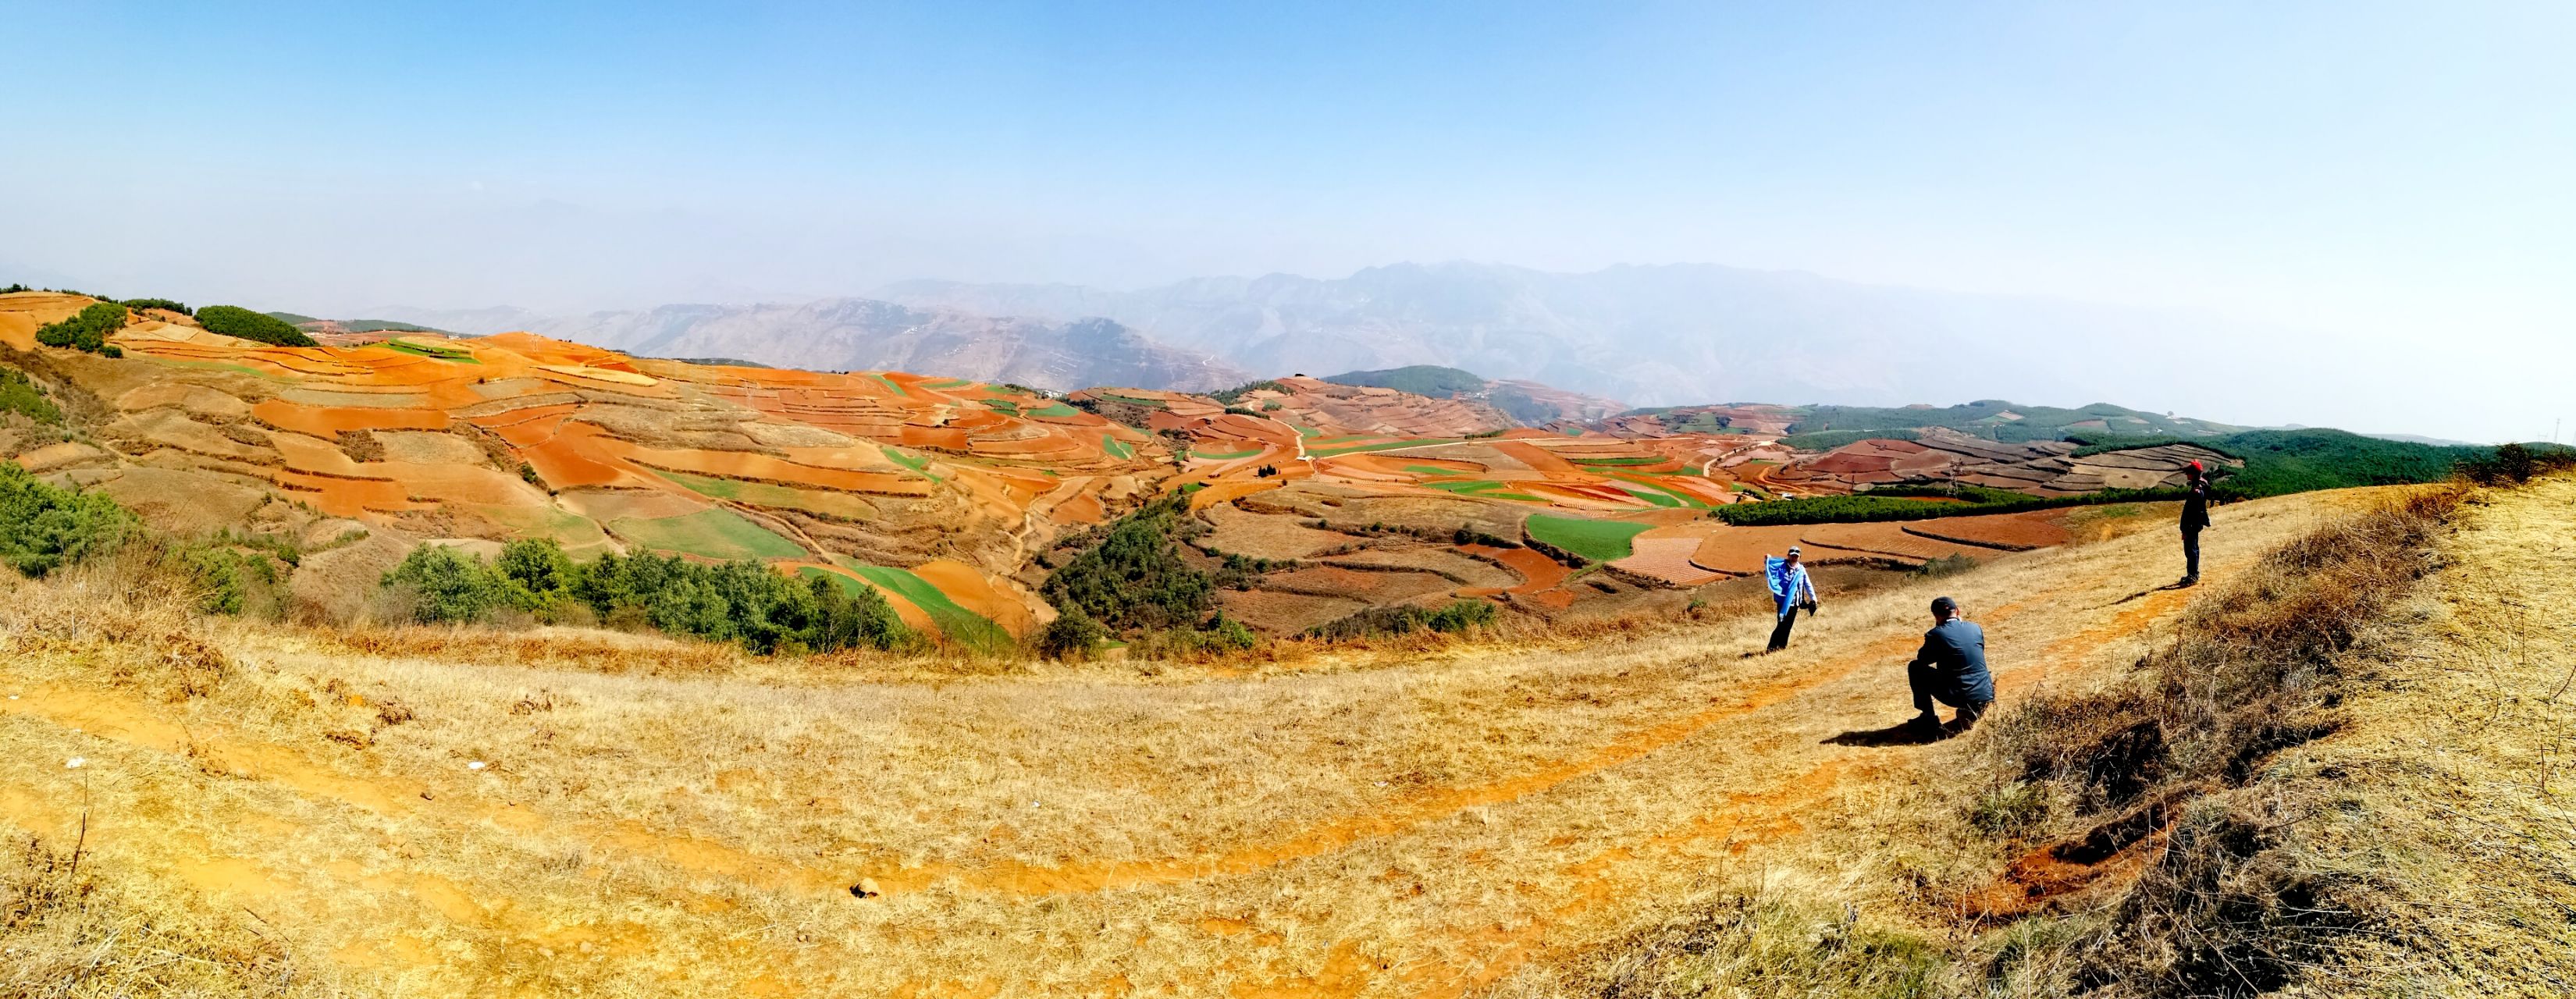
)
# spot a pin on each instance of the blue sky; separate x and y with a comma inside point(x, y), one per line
point(2386, 177)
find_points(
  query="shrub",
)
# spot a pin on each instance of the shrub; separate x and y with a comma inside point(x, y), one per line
point(88, 330)
point(43, 527)
point(235, 321)
point(1072, 635)
point(156, 303)
point(19, 394)
point(1946, 565)
point(448, 586)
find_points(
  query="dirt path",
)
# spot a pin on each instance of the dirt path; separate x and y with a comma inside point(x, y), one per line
point(1404, 826)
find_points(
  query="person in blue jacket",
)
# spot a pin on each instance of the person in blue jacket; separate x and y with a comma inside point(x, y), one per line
point(1951, 668)
point(1790, 590)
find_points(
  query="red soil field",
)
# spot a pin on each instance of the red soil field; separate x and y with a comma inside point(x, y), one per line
point(1668, 559)
point(2035, 529)
point(969, 589)
point(1538, 572)
point(327, 421)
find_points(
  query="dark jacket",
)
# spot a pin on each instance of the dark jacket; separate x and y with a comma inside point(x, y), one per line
point(2195, 507)
point(1957, 649)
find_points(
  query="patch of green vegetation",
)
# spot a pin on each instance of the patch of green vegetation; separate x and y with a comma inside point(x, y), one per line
point(1053, 409)
point(235, 321)
point(1984, 418)
point(1827, 440)
point(164, 304)
point(1116, 448)
point(1130, 400)
point(87, 330)
point(944, 384)
point(1134, 579)
point(19, 394)
point(1431, 470)
point(1310, 433)
point(918, 463)
point(1224, 455)
point(1680, 498)
point(292, 318)
point(1003, 406)
point(386, 326)
point(44, 526)
point(965, 627)
point(1229, 396)
point(1623, 461)
point(1870, 508)
point(1596, 540)
point(715, 534)
point(1420, 379)
point(1456, 616)
point(451, 355)
point(889, 383)
point(739, 601)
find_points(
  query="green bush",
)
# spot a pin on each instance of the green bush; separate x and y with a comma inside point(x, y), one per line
point(139, 304)
point(1827, 440)
point(44, 527)
point(87, 330)
point(1072, 635)
point(233, 320)
point(1229, 396)
point(228, 581)
point(448, 586)
point(19, 394)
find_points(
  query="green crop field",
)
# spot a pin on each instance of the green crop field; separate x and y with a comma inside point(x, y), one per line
point(1224, 455)
point(915, 462)
point(448, 354)
point(1003, 406)
point(1483, 489)
point(944, 384)
point(1053, 409)
point(1116, 448)
point(1598, 540)
point(965, 627)
point(1655, 459)
point(1682, 497)
point(890, 383)
point(716, 534)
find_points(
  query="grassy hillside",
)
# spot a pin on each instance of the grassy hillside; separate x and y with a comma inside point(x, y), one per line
point(1421, 379)
point(2001, 420)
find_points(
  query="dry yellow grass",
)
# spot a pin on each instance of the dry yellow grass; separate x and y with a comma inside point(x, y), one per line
point(2458, 769)
point(1383, 822)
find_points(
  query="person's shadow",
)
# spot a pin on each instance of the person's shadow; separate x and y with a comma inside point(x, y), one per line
point(2160, 589)
point(1904, 733)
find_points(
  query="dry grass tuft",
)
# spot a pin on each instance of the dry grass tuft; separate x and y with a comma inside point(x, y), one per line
point(63, 934)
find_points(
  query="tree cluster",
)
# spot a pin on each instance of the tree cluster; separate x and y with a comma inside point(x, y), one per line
point(740, 601)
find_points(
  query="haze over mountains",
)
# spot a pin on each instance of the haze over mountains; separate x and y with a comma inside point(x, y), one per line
point(1650, 335)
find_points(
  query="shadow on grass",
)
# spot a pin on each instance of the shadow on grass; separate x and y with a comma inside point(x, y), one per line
point(1904, 733)
point(2168, 587)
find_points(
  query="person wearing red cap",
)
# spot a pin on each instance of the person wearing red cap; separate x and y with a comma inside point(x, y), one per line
point(2195, 517)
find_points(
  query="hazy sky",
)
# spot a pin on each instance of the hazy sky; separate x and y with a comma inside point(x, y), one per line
point(2398, 180)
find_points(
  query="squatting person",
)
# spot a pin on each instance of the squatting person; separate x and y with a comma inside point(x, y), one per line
point(2195, 517)
point(1790, 590)
point(1951, 668)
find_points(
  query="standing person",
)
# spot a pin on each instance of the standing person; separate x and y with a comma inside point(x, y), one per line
point(1790, 589)
point(1951, 668)
point(2195, 517)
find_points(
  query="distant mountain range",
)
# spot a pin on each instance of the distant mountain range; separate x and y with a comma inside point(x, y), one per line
point(1659, 335)
point(1651, 335)
point(852, 334)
